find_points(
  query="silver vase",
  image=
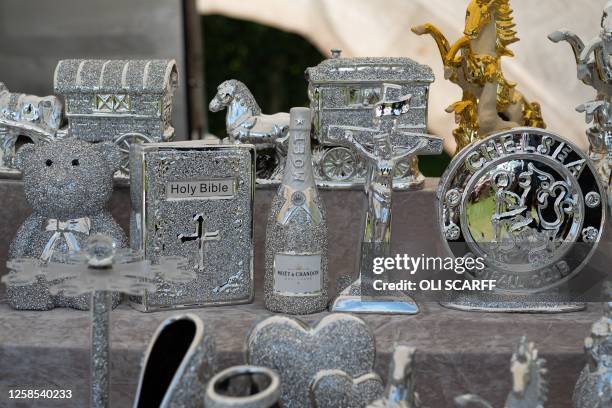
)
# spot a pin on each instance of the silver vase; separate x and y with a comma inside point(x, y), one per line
point(243, 387)
point(178, 363)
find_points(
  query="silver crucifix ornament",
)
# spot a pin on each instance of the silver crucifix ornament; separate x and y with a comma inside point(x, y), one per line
point(375, 147)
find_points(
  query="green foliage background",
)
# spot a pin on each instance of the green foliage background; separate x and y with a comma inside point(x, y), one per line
point(271, 63)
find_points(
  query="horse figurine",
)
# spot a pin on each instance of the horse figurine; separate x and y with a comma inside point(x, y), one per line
point(477, 70)
point(38, 118)
point(595, 70)
point(246, 124)
point(529, 388)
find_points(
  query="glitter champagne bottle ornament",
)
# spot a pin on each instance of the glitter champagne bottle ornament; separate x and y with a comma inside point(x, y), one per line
point(100, 269)
point(296, 236)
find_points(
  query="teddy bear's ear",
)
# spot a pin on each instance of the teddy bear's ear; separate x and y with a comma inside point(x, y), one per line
point(23, 154)
point(111, 154)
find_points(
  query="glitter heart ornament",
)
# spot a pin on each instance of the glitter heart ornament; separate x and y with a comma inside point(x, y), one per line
point(298, 352)
point(337, 389)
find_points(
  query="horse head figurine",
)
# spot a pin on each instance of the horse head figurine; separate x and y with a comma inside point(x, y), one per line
point(473, 62)
point(529, 388)
point(245, 123)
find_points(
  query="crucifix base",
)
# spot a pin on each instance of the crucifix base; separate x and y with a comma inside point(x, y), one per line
point(351, 301)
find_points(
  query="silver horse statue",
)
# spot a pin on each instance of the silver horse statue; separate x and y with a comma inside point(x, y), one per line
point(595, 69)
point(38, 118)
point(529, 389)
point(245, 123)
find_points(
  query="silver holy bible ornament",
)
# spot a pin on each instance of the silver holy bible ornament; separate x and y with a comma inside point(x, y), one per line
point(296, 279)
point(195, 200)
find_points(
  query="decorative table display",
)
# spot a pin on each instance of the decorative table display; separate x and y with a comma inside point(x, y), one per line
point(526, 201)
point(296, 280)
point(100, 269)
point(196, 201)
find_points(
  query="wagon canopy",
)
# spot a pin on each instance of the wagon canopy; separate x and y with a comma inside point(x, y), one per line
point(369, 69)
point(152, 77)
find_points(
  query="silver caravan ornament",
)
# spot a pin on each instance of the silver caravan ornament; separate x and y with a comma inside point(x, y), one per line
point(123, 101)
point(530, 204)
point(343, 92)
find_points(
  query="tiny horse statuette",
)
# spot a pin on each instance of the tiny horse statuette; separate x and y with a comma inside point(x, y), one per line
point(594, 69)
point(245, 123)
point(529, 389)
point(490, 102)
point(38, 118)
point(594, 386)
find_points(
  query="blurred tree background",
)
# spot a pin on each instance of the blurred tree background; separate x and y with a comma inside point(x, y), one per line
point(271, 63)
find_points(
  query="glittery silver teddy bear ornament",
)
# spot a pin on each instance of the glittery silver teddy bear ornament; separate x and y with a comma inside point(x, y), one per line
point(68, 184)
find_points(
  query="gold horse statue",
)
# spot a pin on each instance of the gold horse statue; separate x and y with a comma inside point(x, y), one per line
point(490, 102)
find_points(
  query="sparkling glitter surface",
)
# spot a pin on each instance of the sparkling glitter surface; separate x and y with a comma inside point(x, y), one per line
point(223, 263)
point(299, 235)
point(335, 388)
point(108, 98)
point(63, 181)
point(298, 352)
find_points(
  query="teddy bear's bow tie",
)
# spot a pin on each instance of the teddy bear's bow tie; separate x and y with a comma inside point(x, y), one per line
point(65, 229)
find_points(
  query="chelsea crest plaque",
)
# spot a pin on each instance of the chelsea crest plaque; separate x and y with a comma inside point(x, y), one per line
point(532, 206)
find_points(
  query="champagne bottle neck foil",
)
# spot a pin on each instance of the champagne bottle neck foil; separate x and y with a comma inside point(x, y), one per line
point(298, 187)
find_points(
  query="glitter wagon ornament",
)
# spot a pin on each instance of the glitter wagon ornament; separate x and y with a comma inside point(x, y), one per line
point(342, 92)
point(595, 69)
point(297, 352)
point(382, 159)
point(100, 269)
point(490, 102)
point(531, 205)
point(195, 200)
point(68, 184)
